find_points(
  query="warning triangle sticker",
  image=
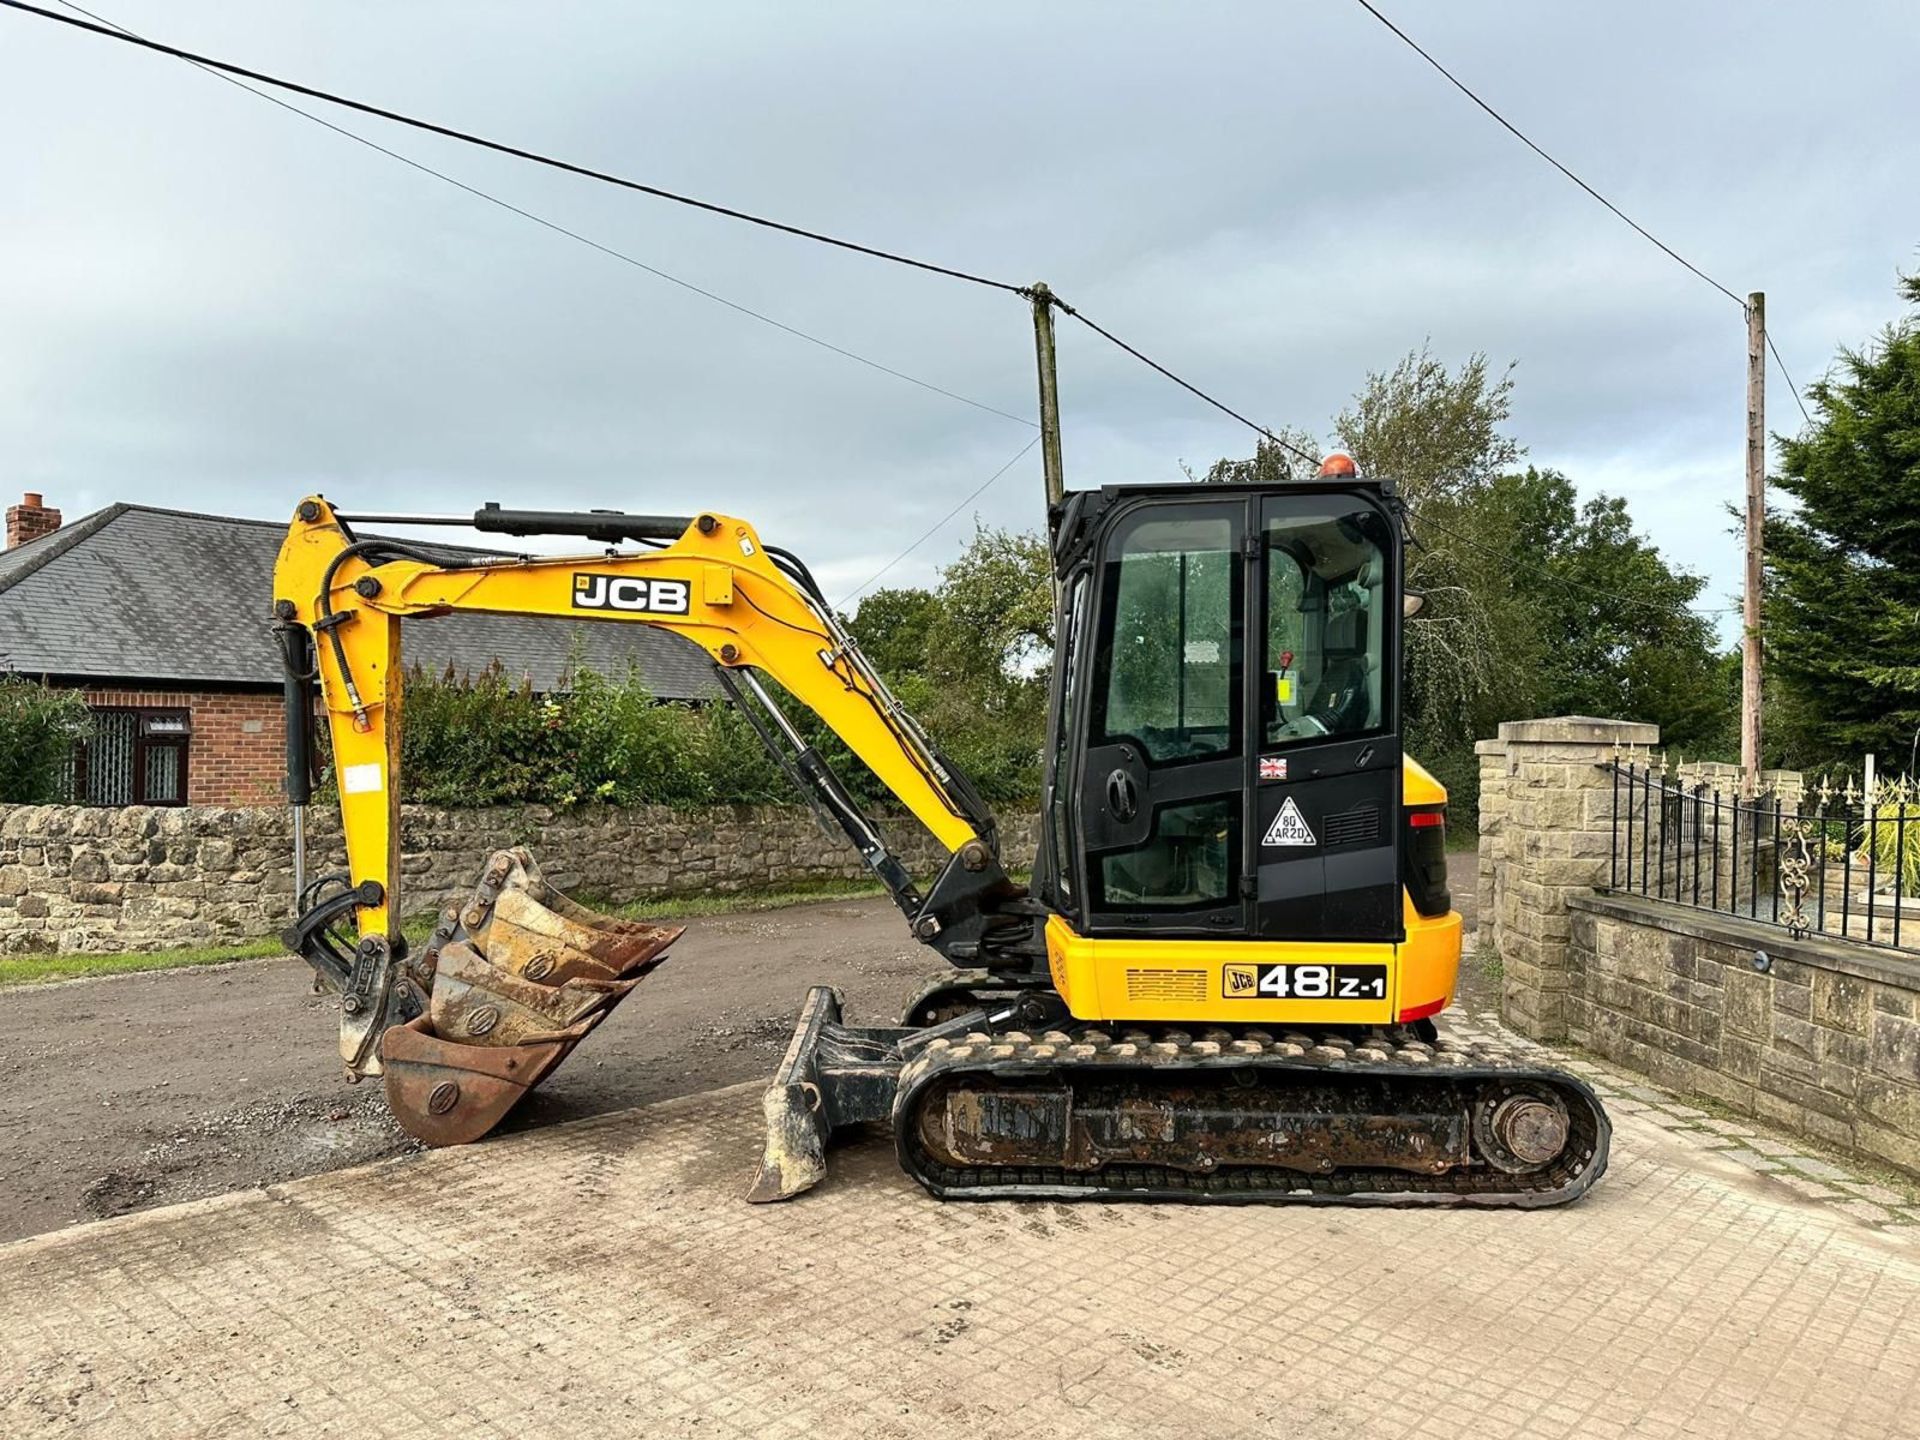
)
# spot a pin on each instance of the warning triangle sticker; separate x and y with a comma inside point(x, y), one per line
point(1289, 827)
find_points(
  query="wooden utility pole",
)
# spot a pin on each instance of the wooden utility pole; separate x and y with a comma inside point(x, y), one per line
point(1756, 524)
point(1049, 393)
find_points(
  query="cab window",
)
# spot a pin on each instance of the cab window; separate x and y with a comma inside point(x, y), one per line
point(1175, 638)
point(1329, 586)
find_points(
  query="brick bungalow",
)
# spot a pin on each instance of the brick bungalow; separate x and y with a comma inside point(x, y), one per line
point(161, 618)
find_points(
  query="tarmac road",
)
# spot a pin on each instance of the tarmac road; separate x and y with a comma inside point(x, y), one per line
point(140, 1090)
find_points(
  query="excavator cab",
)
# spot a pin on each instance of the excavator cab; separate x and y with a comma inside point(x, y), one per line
point(1230, 690)
point(1226, 779)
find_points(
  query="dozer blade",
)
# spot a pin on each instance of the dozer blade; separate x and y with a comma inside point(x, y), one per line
point(831, 1076)
point(516, 978)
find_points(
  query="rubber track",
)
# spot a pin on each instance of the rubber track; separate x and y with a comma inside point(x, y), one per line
point(1398, 1057)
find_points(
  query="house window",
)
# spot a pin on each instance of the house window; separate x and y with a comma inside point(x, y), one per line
point(134, 757)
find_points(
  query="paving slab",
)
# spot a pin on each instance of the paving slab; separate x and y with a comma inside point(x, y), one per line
point(603, 1278)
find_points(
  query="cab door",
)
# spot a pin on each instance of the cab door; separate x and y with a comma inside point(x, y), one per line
point(1162, 785)
point(1326, 799)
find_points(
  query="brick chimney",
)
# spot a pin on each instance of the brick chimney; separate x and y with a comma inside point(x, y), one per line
point(29, 520)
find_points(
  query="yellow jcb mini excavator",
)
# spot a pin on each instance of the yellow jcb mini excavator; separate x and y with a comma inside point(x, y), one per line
point(1219, 984)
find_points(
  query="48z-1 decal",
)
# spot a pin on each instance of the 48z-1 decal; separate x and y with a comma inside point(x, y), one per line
point(1292, 981)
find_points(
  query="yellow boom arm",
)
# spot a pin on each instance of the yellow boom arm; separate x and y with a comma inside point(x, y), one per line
point(715, 584)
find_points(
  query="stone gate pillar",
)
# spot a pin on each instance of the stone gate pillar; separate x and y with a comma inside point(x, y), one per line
point(1553, 839)
point(1492, 829)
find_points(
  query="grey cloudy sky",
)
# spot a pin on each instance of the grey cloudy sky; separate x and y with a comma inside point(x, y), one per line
point(209, 303)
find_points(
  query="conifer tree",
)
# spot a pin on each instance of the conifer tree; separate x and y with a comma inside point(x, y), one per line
point(1843, 594)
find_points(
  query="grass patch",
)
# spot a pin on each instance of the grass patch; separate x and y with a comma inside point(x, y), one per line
point(37, 969)
point(1462, 837)
point(1487, 961)
point(697, 904)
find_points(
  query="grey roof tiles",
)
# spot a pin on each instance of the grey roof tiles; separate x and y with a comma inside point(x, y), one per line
point(137, 593)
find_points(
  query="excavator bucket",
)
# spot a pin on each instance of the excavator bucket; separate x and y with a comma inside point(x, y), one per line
point(445, 1093)
point(516, 978)
point(476, 1002)
point(535, 931)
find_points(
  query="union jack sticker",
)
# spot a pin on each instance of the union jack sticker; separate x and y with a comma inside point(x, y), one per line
point(1273, 767)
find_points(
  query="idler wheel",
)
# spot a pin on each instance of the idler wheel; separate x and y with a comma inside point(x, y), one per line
point(1520, 1128)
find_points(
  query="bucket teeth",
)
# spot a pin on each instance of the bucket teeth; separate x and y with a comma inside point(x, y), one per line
point(518, 976)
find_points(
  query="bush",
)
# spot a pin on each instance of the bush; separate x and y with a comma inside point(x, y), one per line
point(1894, 836)
point(38, 729)
point(479, 740)
point(626, 748)
point(475, 740)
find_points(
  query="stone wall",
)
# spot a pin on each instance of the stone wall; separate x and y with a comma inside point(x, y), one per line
point(1821, 1037)
point(1546, 818)
point(101, 880)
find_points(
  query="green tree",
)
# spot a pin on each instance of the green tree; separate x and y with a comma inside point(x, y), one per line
point(895, 629)
point(1612, 628)
point(1843, 594)
point(996, 601)
point(971, 659)
point(1272, 462)
point(1440, 436)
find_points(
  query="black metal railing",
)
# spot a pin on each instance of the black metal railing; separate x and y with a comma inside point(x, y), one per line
point(1834, 860)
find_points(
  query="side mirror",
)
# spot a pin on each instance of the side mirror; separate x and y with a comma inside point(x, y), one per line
point(1412, 603)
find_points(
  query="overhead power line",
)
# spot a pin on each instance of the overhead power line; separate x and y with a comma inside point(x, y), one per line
point(575, 235)
point(934, 528)
point(1188, 385)
point(127, 37)
point(227, 69)
point(237, 74)
point(1774, 350)
point(1527, 141)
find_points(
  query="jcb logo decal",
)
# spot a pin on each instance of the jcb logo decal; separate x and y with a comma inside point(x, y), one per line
point(625, 593)
point(1237, 979)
